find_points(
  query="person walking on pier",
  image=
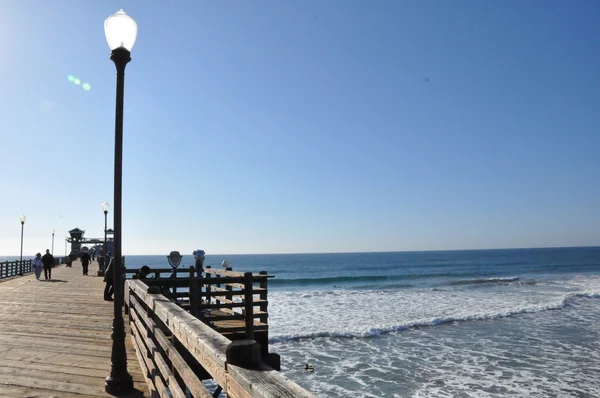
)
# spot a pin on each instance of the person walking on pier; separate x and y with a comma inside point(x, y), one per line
point(85, 262)
point(101, 261)
point(48, 261)
point(108, 278)
point(37, 266)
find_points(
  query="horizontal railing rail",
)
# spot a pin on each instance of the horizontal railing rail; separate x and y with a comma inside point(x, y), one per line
point(178, 351)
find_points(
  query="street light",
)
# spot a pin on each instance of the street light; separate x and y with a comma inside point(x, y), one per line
point(121, 31)
point(105, 263)
point(53, 242)
point(23, 218)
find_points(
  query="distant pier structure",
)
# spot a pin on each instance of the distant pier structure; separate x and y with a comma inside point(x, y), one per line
point(78, 241)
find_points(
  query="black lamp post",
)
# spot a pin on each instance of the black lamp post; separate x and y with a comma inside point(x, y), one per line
point(53, 231)
point(23, 218)
point(105, 210)
point(121, 31)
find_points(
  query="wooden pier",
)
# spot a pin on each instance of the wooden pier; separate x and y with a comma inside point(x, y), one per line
point(55, 337)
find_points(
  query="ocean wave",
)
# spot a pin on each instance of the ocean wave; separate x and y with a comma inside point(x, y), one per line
point(328, 280)
point(480, 281)
point(372, 332)
point(365, 278)
point(381, 286)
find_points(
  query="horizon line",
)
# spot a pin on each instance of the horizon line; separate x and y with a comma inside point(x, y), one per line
point(368, 251)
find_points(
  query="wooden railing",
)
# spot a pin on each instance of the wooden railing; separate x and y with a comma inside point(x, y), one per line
point(233, 303)
point(12, 268)
point(178, 351)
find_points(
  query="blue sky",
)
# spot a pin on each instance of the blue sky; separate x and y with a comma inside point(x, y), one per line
point(305, 126)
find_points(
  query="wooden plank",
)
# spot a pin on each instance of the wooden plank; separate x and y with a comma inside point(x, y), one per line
point(264, 383)
point(35, 367)
point(160, 370)
point(193, 383)
point(149, 383)
point(207, 346)
point(20, 392)
point(53, 385)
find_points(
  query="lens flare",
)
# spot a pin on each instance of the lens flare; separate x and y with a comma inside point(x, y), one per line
point(76, 81)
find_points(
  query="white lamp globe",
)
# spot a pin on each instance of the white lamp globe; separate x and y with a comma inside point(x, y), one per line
point(120, 30)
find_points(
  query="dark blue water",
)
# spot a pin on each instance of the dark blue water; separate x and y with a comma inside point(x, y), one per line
point(401, 269)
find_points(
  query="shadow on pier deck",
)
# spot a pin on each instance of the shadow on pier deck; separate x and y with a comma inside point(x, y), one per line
point(55, 337)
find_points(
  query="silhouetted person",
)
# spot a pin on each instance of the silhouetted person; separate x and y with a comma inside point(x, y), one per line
point(142, 273)
point(101, 261)
point(108, 278)
point(37, 266)
point(85, 262)
point(48, 261)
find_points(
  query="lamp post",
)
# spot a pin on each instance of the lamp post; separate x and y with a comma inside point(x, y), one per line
point(53, 231)
point(121, 32)
point(66, 238)
point(105, 210)
point(23, 218)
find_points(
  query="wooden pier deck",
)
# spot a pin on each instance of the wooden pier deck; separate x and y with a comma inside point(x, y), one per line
point(55, 337)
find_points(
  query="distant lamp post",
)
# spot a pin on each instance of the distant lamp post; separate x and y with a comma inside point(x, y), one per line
point(23, 218)
point(121, 31)
point(53, 231)
point(105, 210)
point(66, 239)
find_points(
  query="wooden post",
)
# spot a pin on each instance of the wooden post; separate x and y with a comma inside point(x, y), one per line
point(218, 298)
point(194, 290)
point(208, 289)
point(229, 294)
point(263, 298)
point(244, 353)
point(194, 302)
point(249, 306)
point(174, 275)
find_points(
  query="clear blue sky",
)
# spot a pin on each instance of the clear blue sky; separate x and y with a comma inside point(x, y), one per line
point(305, 126)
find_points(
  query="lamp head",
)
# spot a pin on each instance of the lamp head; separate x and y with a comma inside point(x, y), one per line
point(120, 31)
point(23, 218)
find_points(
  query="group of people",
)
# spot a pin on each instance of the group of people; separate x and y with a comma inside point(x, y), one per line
point(46, 261)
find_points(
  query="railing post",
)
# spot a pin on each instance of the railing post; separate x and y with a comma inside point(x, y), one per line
point(248, 305)
point(193, 292)
point(174, 275)
point(229, 294)
point(208, 289)
point(263, 298)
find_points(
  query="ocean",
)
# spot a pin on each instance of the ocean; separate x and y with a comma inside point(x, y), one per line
point(484, 323)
